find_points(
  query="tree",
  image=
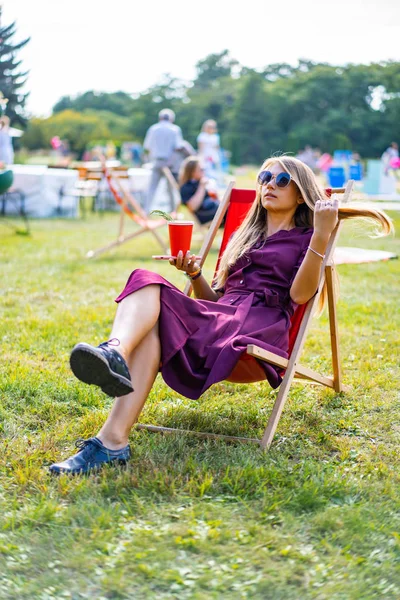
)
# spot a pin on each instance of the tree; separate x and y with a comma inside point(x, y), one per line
point(119, 103)
point(35, 136)
point(78, 128)
point(212, 103)
point(213, 67)
point(169, 92)
point(280, 109)
point(251, 123)
point(11, 79)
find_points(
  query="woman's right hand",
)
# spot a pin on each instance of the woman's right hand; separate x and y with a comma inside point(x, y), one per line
point(186, 263)
point(326, 216)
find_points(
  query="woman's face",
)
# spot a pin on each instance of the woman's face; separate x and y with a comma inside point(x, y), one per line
point(279, 200)
point(198, 172)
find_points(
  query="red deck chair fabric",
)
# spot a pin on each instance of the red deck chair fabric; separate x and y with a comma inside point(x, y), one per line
point(249, 370)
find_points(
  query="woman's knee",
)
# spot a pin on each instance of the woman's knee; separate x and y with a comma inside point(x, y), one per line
point(143, 295)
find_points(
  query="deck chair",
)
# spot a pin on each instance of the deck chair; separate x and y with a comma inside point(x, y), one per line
point(86, 186)
point(130, 207)
point(236, 204)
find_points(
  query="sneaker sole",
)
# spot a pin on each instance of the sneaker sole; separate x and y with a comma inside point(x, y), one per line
point(92, 368)
point(120, 462)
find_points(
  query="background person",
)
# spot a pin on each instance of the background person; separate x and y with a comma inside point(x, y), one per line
point(193, 189)
point(208, 144)
point(178, 156)
point(391, 151)
point(390, 155)
point(161, 140)
point(271, 264)
point(308, 156)
point(6, 147)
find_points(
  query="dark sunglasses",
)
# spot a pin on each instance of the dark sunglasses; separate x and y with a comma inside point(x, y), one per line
point(282, 179)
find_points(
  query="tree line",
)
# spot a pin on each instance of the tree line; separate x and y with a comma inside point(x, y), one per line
point(280, 108)
point(12, 79)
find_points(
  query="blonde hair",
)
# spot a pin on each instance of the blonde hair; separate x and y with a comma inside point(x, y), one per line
point(254, 225)
point(209, 123)
point(187, 169)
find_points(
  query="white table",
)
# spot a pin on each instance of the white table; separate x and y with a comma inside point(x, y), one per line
point(48, 191)
point(42, 187)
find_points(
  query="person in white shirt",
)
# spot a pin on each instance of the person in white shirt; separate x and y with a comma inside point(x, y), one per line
point(392, 151)
point(6, 147)
point(161, 141)
point(208, 144)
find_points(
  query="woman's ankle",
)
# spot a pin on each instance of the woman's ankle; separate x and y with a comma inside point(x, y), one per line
point(116, 344)
point(112, 442)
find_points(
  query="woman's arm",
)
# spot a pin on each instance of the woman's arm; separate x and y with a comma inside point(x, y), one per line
point(201, 288)
point(203, 291)
point(196, 200)
point(305, 283)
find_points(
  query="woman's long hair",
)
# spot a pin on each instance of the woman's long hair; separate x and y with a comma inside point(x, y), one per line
point(254, 225)
point(187, 169)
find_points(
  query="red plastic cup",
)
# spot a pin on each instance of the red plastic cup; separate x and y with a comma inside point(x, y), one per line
point(180, 236)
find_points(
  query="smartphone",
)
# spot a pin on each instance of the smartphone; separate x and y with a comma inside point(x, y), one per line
point(162, 257)
point(165, 257)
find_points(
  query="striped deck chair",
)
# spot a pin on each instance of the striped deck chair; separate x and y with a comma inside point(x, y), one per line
point(236, 204)
point(129, 207)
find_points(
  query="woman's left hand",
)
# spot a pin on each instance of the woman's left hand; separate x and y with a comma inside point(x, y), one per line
point(186, 263)
point(326, 216)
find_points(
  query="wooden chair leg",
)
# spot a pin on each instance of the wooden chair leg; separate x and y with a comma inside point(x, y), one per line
point(121, 225)
point(269, 432)
point(171, 179)
point(333, 325)
point(118, 242)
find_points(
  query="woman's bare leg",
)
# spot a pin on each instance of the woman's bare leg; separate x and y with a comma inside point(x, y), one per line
point(143, 364)
point(136, 328)
point(136, 316)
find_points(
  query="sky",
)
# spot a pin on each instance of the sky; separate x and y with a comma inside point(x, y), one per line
point(128, 45)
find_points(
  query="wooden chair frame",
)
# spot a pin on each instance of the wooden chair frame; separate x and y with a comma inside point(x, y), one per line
point(131, 207)
point(173, 186)
point(293, 369)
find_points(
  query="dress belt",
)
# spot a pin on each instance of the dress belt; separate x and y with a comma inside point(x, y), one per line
point(270, 298)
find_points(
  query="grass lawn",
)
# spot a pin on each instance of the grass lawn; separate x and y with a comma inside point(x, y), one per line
point(318, 517)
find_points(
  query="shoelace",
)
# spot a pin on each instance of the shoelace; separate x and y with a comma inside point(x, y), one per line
point(108, 342)
point(117, 355)
point(82, 443)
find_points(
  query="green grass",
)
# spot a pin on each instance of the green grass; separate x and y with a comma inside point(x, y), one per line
point(318, 517)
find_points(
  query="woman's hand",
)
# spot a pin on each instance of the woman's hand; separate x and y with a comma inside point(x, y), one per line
point(326, 216)
point(186, 263)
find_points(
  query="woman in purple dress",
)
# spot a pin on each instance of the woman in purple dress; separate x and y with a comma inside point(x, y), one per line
point(271, 264)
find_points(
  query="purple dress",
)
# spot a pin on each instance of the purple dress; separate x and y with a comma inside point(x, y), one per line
point(202, 341)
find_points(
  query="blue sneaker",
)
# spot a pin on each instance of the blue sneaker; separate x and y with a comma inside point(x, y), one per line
point(91, 457)
point(103, 366)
